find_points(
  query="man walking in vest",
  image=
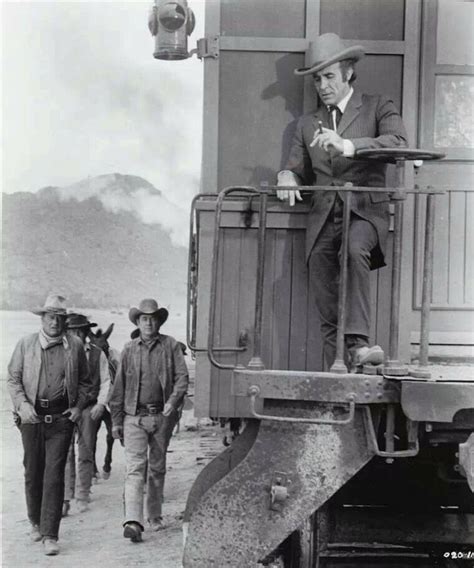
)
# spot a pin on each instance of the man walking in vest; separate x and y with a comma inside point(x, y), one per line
point(88, 425)
point(48, 380)
point(149, 387)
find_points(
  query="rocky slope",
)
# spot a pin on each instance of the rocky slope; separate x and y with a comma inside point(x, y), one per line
point(100, 242)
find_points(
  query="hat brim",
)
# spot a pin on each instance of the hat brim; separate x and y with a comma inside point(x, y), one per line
point(41, 311)
point(354, 52)
point(135, 313)
point(78, 326)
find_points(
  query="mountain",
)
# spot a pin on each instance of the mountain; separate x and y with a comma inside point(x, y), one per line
point(92, 242)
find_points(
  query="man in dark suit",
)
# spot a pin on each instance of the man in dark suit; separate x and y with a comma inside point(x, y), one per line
point(322, 153)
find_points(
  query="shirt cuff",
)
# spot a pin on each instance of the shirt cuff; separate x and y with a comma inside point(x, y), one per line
point(349, 148)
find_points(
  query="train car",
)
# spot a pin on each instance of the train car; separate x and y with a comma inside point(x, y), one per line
point(330, 468)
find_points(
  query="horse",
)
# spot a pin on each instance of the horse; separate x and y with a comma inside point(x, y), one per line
point(100, 339)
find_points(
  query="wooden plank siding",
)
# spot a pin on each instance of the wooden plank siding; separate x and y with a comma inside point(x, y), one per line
point(453, 242)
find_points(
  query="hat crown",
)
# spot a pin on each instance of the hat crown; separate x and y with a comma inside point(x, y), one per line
point(55, 303)
point(77, 320)
point(328, 49)
point(148, 306)
point(325, 47)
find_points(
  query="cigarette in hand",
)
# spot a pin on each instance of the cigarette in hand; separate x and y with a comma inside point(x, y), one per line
point(317, 133)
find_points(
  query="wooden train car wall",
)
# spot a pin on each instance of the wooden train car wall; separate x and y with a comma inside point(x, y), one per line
point(252, 100)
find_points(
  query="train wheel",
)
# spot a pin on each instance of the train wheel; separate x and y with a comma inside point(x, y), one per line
point(301, 547)
point(298, 550)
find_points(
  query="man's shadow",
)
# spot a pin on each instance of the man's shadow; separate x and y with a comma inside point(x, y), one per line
point(291, 324)
point(289, 87)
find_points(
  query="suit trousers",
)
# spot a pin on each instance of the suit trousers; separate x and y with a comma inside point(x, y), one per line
point(45, 451)
point(324, 270)
point(146, 440)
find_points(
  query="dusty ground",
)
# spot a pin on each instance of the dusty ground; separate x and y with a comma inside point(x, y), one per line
point(94, 538)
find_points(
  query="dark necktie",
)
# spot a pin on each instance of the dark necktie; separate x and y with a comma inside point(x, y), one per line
point(335, 110)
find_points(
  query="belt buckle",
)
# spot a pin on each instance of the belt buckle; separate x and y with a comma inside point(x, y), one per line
point(44, 403)
point(48, 419)
point(152, 409)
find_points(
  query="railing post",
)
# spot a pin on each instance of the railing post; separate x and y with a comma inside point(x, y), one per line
point(339, 366)
point(256, 360)
point(422, 371)
point(393, 366)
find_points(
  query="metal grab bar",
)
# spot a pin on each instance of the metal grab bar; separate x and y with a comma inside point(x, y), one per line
point(215, 257)
point(192, 275)
point(395, 193)
point(254, 392)
point(422, 371)
point(412, 438)
point(191, 306)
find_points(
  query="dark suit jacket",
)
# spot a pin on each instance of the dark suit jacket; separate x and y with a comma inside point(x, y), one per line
point(369, 121)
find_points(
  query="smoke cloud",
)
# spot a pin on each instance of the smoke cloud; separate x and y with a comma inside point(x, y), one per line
point(82, 95)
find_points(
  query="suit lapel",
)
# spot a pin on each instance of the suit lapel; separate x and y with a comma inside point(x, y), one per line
point(351, 112)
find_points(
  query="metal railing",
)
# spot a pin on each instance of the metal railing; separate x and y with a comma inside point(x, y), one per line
point(397, 194)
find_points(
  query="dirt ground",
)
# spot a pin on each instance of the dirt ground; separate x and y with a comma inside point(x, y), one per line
point(94, 538)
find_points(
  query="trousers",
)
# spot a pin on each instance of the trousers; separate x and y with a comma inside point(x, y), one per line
point(86, 433)
point(324, 271)
point(45, 451)
point(146, 440)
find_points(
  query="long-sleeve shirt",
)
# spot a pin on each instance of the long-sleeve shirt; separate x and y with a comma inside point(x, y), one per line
point(150, 389)
point(52, 377)
point(104, 374)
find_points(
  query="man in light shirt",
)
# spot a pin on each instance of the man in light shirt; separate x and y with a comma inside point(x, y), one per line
point(48, 380)
point(88, 425)
point(322, 152)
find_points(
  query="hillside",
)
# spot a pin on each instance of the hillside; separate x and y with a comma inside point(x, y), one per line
point(95, 255)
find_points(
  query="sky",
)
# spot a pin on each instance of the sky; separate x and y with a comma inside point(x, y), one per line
point(82, 96)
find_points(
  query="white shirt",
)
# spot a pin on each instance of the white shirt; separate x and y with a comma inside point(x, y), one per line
point(349, 149)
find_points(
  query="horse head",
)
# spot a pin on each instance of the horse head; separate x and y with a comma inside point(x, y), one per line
point(100, 338)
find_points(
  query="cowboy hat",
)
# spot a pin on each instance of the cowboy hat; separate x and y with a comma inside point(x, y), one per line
point(326, 50)
point(150, 308)
point(76, 321)
point(54, 304)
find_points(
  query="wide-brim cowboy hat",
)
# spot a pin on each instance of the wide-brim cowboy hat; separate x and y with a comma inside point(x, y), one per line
point(326, 50)
point(148, 307)
point(77, 321)
point(54, 304)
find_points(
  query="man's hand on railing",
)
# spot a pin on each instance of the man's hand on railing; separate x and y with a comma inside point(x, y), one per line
point(288, 178)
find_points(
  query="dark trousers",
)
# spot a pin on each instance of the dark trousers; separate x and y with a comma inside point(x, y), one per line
point(324, 270)
point(45, 451)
